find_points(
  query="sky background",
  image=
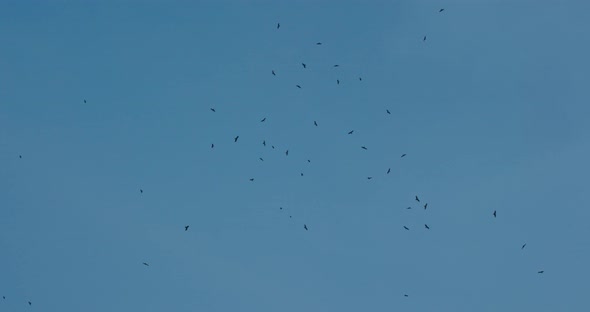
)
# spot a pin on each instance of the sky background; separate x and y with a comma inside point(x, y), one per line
point(491, 111)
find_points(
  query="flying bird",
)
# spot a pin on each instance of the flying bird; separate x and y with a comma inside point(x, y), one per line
point(141, 191)
point(337, 81)
point(273, 147)
point(263, 119)
point(336, 65)
point(315, 123)
point(146, 264)
point(287, 152)
point(278, 25)
point(425, 205)
point(494, 213)
point(84, 101)
point(281, 208)
point(405, 227)
point(308, 161)
point(405, 295)
point(261, 159)
point(212, 109)
point(273, 73)
point(426, 226)
point(318, 43)
point(304, 66)
point(360, 79)
point(350, 132)
point(236, 138)
point(409, 208)
point(403, 155)
point(20, 156)
point(186, 228)
point(363, 147)
point(540, 272)
point(369, 178)
point(440, 10)
point(212, 145)
point(298, 86)
point(305, 227)
point(424, 39)
point(30, 303)
point(302, 174)
point(417, 199)
point(264, 142)
point(252, 179)
point(388, 111)
point(388, 170)
point(521, 248)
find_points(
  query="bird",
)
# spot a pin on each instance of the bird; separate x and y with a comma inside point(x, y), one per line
point(20, 156)
point(273, 147)
point(540, 272)
point(337, 81)
point(186, 228)
point(141, 191)
point(369, 178)
point(425, 205)
point(278, 25)
point(440, 10)
point(318, 43)
point(263, 119)
point(388, 111)
point(315, 123)
point(236, 138)
point(521, 248)
point(304, 65)
point(409, 208)
point(273, 73)
point(417, 199)
point(424, 39)
point(403, 155)
point(494, 213)
point(261, 159)
point(405, 227)
point(363, 147)
point(305, 227)
point(30, 303)
point(251, 179)
point(298, 86)
point(280, 208)
point(264, 142)
point(426, 226)
point(388, 170)
point(350, 132)
point(308, 160)
point(336, 65)
point(212, 109)
point(146, 264)
point(302, 174)
point(287, 152)
point(405, 295)
point(84, 101)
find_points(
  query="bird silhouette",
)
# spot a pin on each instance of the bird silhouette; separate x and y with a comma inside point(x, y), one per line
point(409, 208)
point(424, 39)
point(305, 227)
point(141, 191)
point(308, 161)
point(521, 248)
point(302, 174)
point(363, 147)
point(298, 86)
point(273, 147)
point(263, 119)
point(417, 199)
point(146, 264)
point(494, 213)
point(336, 65)
point(426, 226)
point(212, 109)
point(425, 205)
point(212, 145)
point(388, 112)
point(315, 123)
point(540, 272)
point(304, 66)
point(405, 227)
point(405, 295)
point(388, 170)
point(403, 155)
point(186, 228)
point(369, 178)
point(287, 152)
point(84, 101)
point(20, 156)
point(273, 73)
point(264, 142)
point(278, 25)
point(251, 179)
point(337, 81)
point(261, 159)
point(318, 43)
point(350, 132)
point(280, 208)
point(236, 138)
point(360, 79)
point(440, 10)
point(30, 303)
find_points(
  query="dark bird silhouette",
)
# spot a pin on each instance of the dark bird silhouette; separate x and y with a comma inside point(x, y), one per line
point(403, 155)
point(308, 160)
point(363, 147)
point(30, 303)
point(261, 159)
point(305, 227)
point(336, 65)
point(287, 152)
point(388, 170)
point(369, 178)
point(20, 156)
point(281, 208)
point(146, 264)
point(302, 174)
point(424, 39)
point(426, 226)
point(521, 248)
point(273, 147)
point(405, 227)
point(388, 112)
point(540, 272)
point(417, 199)
point(141, 191)
point(298, 86)
point(278, 25)
point(212, 145)
point(236, 138)
point(84, 101)
point(263, 119)
point(212, 109)
point(425, 205)
point(440, 10)
point(252, 179)
point(318, 43)
point(494, 213)
point(304, 66)
point(405, 295)
point(186, 228)
point(360, 79)
point(409, 208)
point(273, 73)
point(315, 123)
point(264, 142)
point(350, 132)
point(337, 81)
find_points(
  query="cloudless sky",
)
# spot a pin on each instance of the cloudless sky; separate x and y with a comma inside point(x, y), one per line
point(492, 111)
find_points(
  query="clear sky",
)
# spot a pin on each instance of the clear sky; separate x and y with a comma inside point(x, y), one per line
point(491, 111)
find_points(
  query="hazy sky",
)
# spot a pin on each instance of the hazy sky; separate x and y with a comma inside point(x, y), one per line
point(491, 110)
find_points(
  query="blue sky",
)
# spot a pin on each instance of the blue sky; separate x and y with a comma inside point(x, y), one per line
point(491, 111)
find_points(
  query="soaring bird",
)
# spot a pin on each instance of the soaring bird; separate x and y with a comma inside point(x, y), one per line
point(280, 208)
point(30, 303)
point(409, 208)
point(363, 147)
point(425, 205)
point(252, 179)
point(146, 264)
point(84, 101)
point(337, 81)
point(186, 228)
point(273, 73)
point(278, 25)
point(263, 119)
point(521, 248)
point(298, 86)
point(302, 174)
point(369, 178)
point(141, 191)
point(388, 170)
point(212, 145)
point(360, 79)
point(287, 152)
point(264, 142)
point(315, 123)
point(388, 112)
point(494, 213)
point(305, 227)
point(308, 160)
point(20, 156)
point(236, 138)
point(304, 66)
point(405, 295)
point(336, 65)
point(350, 132)
point(417, 199)
point(273, 147)
point(426, 226)
point(540, 272)
point(405, 227)
point(403, 155)
point(318, 43)
point(261, 159)
point(212, 109)
point(424, 39)
point(440, 10)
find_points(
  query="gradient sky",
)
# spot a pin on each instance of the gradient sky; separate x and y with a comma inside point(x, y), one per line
point(491, 111)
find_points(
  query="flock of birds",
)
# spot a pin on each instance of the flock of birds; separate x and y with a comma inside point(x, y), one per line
point(305, 227)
